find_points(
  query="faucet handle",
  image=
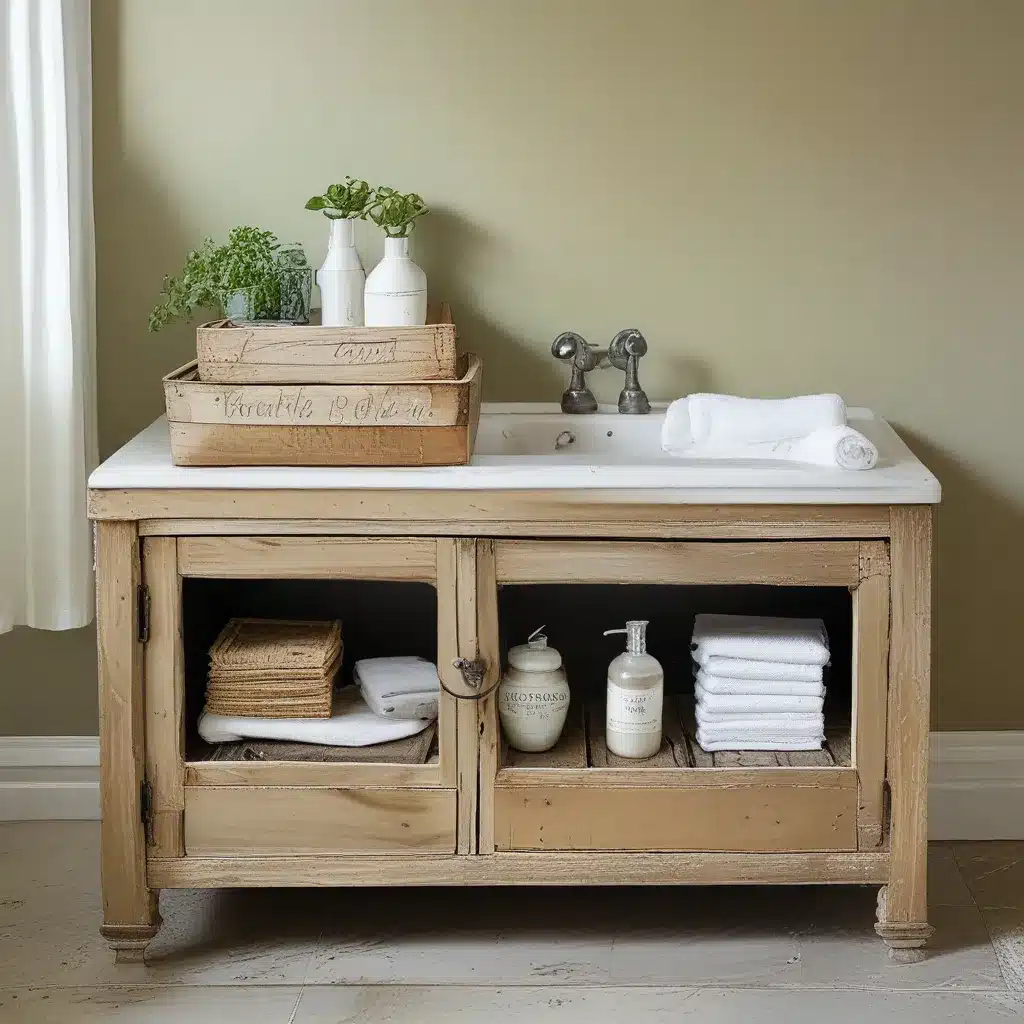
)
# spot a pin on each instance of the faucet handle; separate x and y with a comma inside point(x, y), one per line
point(629, 342)
point(625, 352)
point(572, 346)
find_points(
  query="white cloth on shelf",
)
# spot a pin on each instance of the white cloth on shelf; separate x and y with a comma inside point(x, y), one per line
point(755, 703)
point(352, 724)
point(760, 638)
point(399, 687)
point(709, 419)
point(775, 741)
point(712, 684)
point(752, 721)
point(762, 671)
point(744, 730)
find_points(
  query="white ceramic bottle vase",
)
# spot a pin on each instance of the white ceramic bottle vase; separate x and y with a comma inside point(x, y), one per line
point(396, 290)
point(341, 278)
point(636, 686)
point(533, 698)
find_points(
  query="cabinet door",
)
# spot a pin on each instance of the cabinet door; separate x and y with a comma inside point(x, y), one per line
point(579, 796)
point(394, 596)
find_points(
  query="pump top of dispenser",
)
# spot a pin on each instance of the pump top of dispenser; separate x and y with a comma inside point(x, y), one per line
point(535, 655)
point(636, 635)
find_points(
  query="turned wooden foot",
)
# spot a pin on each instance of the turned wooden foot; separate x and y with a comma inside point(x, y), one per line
point(129, 941)
point(905, 939)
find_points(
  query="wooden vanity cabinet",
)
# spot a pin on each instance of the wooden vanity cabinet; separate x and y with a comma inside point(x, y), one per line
point(479, 813)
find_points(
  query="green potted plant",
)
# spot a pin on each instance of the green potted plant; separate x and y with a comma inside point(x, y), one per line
point(396, 290)
point(341, 278)
point(251, 277)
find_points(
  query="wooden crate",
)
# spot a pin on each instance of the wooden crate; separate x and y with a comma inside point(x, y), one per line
point(327, 355)
point(405, 423)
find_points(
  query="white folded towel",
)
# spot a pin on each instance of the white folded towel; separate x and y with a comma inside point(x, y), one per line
point(401, 687)
point(812, 721)
point(760, 638)
point(748, 687)
point(755, 703)
point(777, 741)
point(701, 419)
point(764, 671)
point(754, 730)
point(352, 724)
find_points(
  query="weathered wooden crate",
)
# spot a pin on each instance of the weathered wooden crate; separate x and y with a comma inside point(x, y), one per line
point(404, 423)
point(327, 355)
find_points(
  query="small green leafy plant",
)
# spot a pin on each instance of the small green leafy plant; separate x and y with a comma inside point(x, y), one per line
point(214, 275)
point(343, 202)
point(395, 212)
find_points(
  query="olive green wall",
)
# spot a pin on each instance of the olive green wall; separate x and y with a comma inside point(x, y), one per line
point(784, 196)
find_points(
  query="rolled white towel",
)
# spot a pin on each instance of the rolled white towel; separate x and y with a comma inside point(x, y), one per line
point(761, 638)
point(832, 447)
point(352, 724)
point(727, 419)
point(764, 671)
point(755, 703)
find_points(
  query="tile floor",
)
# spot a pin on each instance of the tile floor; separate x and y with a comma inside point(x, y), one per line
point(324, 957)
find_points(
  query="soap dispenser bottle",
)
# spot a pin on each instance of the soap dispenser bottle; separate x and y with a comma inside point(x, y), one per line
point(636, 685)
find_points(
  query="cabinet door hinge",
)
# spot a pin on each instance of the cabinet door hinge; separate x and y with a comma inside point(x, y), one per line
point(143, 614)
point(146, 809)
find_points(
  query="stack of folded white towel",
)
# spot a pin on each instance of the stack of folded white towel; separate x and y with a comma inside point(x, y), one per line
point(759, 683)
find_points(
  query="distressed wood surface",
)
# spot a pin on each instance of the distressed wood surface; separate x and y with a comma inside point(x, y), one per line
point(488, 726)
point(571, 514)
point(328, 354)
point(313, 774)
point(769, 817)
point(782, 563)
point(130, 917)
point(467, 733)
point(530, 869)
point(406, 559)
point(870, 688)
point(247, 822)
point(904, 916)
point(164, 668)
point(447, 650)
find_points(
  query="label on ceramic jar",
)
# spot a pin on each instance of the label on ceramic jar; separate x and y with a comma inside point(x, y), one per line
point(532, 703)
point(634, 711)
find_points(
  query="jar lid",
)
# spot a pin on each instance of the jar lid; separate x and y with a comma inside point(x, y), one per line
point(535, 655)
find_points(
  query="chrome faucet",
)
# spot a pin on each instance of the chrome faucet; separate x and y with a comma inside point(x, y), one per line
point(624, 353)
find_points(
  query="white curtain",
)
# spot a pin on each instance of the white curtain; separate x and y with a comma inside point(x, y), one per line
point(47, 314)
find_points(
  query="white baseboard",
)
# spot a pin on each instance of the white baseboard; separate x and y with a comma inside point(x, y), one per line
point(976, 786)
point(49, 778)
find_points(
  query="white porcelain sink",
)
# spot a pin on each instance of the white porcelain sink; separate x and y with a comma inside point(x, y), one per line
point(537, 447)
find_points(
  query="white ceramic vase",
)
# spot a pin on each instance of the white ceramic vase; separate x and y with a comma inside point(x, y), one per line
point(396, 290)
point(341, 278)
point(533, 698)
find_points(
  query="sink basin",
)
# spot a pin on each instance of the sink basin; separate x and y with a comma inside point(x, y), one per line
point(604, 438)
point(539, 448)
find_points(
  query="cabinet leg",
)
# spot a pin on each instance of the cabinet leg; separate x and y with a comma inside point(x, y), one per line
point(129, 941)
point(903, 903)
point(130, 914)
point(905, 939)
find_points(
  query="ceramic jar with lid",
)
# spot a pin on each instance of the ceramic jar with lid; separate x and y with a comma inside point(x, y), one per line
point(533, 698)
